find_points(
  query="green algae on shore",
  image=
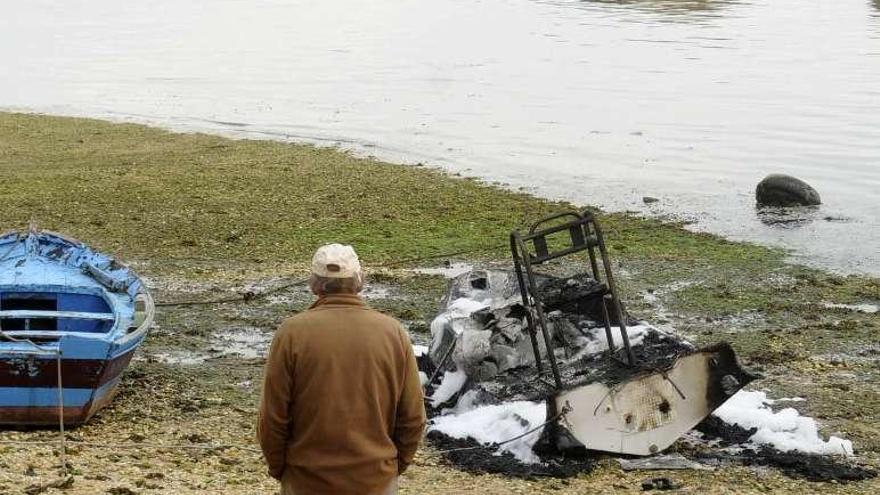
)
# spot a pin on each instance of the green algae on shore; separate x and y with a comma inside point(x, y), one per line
point(202, 216)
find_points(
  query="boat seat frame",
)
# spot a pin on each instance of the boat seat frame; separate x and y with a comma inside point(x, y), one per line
point(532, 248)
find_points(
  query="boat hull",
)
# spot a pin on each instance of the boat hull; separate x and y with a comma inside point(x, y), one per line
point(71, 320)
point(29, 388)
point(49, 415)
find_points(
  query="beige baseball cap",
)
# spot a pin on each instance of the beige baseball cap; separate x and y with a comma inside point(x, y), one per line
point(336, 261)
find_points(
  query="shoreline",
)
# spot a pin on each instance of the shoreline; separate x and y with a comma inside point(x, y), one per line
point(202, 216)
point(364, 150)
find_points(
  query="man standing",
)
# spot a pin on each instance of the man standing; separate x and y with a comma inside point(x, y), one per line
point(342, 409)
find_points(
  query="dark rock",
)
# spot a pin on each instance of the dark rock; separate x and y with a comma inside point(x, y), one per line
point(659, 484)
point(649, 199)
point(197, 438)
point(136, 437)
point(785, 190)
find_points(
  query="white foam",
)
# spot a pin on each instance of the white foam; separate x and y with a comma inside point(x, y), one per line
point(450, 384)
point(785, 430)
point(458, 309)
point(463, 307)
point(467, 402)
point(597, 342)
point(497, 423)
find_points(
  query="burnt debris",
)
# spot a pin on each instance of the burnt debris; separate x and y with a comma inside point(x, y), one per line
point(470, 456)
point(798, 465)
point(608, 382)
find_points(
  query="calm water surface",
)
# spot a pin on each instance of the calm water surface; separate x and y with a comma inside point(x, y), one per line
point(597, 102)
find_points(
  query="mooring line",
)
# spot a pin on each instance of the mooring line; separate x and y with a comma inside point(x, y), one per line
point(495, 445)
point(155, 446)
point(251, 296)
point(61, 413)
point(60, 385)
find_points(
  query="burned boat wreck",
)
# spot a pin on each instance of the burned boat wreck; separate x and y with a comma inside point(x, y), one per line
point(562, 338)
point(70, 322)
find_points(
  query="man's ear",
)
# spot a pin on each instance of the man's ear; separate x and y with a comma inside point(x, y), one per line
point(313, 286)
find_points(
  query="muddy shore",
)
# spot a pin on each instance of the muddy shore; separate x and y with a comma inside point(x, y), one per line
point(203, 218)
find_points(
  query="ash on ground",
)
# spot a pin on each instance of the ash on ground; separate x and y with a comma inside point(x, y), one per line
point(737, 449)
point(473, 457)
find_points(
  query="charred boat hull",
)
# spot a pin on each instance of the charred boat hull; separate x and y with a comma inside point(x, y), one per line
point(648, 411)
point(606, 402)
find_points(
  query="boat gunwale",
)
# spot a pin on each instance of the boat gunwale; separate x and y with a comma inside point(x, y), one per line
point(118, 336)
point(118, 340)
point(149, 316)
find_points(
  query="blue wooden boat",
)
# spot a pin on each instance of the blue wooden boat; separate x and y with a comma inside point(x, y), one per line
point(69, 316)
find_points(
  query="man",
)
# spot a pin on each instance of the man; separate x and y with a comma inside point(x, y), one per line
point(342, 409)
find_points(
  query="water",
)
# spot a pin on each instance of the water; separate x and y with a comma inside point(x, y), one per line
point(597, 102)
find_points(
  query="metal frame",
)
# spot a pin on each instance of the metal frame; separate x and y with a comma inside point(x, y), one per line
point(585, 234)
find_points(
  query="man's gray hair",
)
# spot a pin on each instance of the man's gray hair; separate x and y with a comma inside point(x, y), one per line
point(330, 286)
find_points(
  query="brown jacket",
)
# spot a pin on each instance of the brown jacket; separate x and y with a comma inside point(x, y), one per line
point(342, 409)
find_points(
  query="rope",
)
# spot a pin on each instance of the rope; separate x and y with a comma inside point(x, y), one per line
point(61, 414)
point(245, 297)
point(57, 353)
point(406, 261)
point(156, 446)
point(252, 296)
point(494, 446)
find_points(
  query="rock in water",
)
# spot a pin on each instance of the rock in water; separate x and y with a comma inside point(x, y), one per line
point(785, 190)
